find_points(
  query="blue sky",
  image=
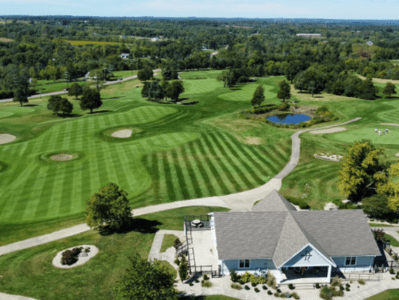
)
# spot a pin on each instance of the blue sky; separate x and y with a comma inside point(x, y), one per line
point(333, 9)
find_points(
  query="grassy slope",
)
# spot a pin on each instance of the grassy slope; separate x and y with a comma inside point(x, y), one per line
point(180, 153)
point(386, 295)
point(48, 86)
point(168, 241)
point(316, 180)
point(30, 272)
point(394, 242)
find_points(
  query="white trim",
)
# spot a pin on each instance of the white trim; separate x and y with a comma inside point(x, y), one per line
point(351, 260)
point(238, 265)
point(329, 260)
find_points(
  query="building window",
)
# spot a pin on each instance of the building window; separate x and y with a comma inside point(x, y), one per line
point(350, 261)
point(244, 263)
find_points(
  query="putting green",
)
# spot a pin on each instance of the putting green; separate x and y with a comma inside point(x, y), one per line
point(351, 135)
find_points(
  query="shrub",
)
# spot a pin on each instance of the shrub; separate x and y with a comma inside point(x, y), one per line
point(317, 285)
point(269, 293)
point(393, 278)
point(206, 284)
point(291, 286)
point(278, 291)
point(295, 296)
point(183, 268)
point(276, 294)
point(257, 290)
point(397, 276)
point(347, 289)
point(300, 202)
point(236, 286)
point(253, 284)
point(69, 257)
point(271, 281)
point(348, 285)
point(336, 281)
point(177, 243)
point(196, 281)
point(206, 277)
point(190, 284)
point(351, 281)
point(264, 287)
point(361, 281)
point(247, 288)
point(284, 106)
point(177, 261)
point(325, 293)
point(233, 276)
point(391, 271)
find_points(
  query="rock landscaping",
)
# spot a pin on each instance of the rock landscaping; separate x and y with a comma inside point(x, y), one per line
point(75, 256)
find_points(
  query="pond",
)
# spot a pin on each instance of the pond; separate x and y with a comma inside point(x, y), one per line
point(289, 118)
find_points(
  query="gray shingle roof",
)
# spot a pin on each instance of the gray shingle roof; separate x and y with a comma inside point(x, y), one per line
point(274, 202)
point(280, 235)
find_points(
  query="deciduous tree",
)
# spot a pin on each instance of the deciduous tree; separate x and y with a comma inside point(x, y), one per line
point(91, 99)
point(75, 90)
point(285, 90)
point(258, 96)
point(146, 280)
point(389, 89)
point(176, 88)
point(145, 74)
point(20, 96)
point(109, 207)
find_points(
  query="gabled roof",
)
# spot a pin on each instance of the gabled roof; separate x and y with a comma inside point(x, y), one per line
point(274, 202)
point(282, 233)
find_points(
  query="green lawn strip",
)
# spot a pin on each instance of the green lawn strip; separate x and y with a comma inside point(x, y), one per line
point(49, 86)
point(168, 241)
point(379, 225)
point(124, 74)
point(214, 297)
point(30, 272)
point(386, 295)
point(393, 242)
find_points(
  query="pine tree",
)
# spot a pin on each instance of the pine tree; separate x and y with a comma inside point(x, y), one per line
point(259, 96)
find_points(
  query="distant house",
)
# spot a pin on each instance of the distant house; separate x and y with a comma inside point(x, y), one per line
point(275, 237)
point(123, 36)
point(370, 43)
point(309, 35)
point(155, 39)
point(124, 55)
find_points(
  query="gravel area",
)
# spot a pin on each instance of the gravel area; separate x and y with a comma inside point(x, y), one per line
point(122, 134)
point(329, 130)
point(6, 138)
point(81, 260)
point(62, 157)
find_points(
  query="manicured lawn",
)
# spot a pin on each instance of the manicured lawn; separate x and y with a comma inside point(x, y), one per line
point(124, 74)
point(386, 295)
point(177, 152)
point(48, 86)
point(30, 272)
point(379, 225)
point(168, 241)
point(392, 240)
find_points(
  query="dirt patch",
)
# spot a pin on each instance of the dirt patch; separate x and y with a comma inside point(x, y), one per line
point(62, 157)
point(6, 138)
point(253, 140)
point(122, 134)
point(329, 130)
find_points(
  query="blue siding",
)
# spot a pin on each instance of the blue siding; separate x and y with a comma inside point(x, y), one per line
point(362, 263)
point(306, 258)
point(255, 264)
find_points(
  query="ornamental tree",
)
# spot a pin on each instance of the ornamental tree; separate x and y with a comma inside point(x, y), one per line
point(91, 99)
point(108, 208)
point(258, 96)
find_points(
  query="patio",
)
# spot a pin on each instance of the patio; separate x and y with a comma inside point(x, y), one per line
point(305, 275)
point(202, 254)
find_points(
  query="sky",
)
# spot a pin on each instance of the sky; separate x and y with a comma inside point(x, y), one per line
point(325, 9)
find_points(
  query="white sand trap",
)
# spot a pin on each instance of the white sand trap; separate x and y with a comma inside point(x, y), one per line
point(253, 141)
point(62, 157)
point(82, 259)
point(122, 134)
point(329, 130)
point(397, 154)
point(6, 138)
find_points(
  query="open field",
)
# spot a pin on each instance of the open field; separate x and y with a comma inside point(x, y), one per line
point(30, 272)
point(5, 40)
point(124, 74)
point(178, 152)
point(80, 43)
point(48, 86)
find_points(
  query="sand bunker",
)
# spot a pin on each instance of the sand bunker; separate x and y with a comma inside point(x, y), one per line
point(6, 138)
point(329, 130)
point(62, 157)
point(82, 259)
point(397, 154)
point(334, 157)
point(122, 134)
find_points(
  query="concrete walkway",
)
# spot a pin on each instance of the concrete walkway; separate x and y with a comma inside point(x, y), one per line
point(155, 252)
